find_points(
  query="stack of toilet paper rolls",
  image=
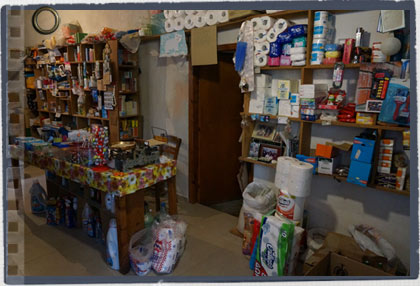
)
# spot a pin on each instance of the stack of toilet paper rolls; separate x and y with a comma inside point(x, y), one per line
point(293, 178)
point(323, 34)
point(188, 19)
point(261, 26)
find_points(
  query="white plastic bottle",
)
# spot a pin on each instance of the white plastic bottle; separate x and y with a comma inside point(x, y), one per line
point(112, 245)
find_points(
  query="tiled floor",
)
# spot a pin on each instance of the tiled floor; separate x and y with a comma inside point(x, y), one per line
point(211, 250)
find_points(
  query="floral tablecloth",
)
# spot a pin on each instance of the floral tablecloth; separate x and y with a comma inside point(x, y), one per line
point(122, 183)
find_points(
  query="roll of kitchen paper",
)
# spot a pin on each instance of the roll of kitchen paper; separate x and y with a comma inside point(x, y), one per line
point(260, 36)
point(298, 57)
point(322, 17)
point(318, 45)
point(199, 20)
point(179, 23)
point(290, 206)
point(324, 31)
point(317, 57)
point(168, 14)
point(272, 35)
point(179, 13)
point(260, 60)
point(262, 48)
point(267, 22)
point(222, 16)
point(282, 171)
point(188, 21)
point(281, 25)
point(256, 23)
point(170, 25)
point(300, 178)
point(190, 12)
point(211, 17)
point(297, 50)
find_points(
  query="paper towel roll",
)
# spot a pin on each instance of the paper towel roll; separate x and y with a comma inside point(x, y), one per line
point(290, 206)
point(222, 16)
point(272, 35)
point(260, 36)
point(179, 23)
point(267, 22)
point(188, 21)
point(324, 31)
point(256, 23)
point(168, 14)
point(170, 25)
point(260, 60)
point(191, 12)
point(262, 48)
point(318, 45)
point(300, 178)
point(317, 57)
point(199, 20)
point(179, 13)
point(298, 57)
point(281, 25)
point(322, 16)
point(282, 171)
point(211, 17)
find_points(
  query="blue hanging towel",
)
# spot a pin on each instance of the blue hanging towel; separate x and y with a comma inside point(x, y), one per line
point(240, 55)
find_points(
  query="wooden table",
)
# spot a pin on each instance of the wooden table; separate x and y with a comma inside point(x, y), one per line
point(128, 188)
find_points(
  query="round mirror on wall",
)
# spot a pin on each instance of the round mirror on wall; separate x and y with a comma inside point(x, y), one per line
point(45, 20)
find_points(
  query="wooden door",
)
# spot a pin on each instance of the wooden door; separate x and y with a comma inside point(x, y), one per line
point(218, 105)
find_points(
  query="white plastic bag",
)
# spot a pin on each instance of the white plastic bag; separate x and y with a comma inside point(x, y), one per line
point(141, 253)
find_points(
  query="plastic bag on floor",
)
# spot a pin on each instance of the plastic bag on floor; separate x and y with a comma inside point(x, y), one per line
point(38, 198)
point(140, 251)
point(169, 243)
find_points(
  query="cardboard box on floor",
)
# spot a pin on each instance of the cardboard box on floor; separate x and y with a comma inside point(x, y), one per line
point(340, 255)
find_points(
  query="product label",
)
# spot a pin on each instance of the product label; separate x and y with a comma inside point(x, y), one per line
point(286, 205)
point(318, 30)
point(318, 47)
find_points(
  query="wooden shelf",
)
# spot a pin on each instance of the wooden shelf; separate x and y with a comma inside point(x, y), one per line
point(347, 66)
point(89, 117)
point(252, 161)
point(281, 68)
point(128, 116)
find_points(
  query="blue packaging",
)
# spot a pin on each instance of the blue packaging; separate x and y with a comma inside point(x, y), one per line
point(332, 47)
point(318, 16)
point(298, 30)
point(359, 173)
point(284, 38)
point(318, 47)
point(308, 117)
point(308, 159)
point(285, 49)
point(275, 50)
point(318, 30)
point(362, 150)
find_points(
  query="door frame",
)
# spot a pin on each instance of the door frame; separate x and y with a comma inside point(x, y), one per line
point(193, 128)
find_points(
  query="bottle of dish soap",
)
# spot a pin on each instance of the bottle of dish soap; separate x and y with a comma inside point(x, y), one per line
point(112, 245)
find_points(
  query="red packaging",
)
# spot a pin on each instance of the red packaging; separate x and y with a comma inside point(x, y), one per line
point(285, 61)
point(348, 50)
point(330, 61)
point(273, 61)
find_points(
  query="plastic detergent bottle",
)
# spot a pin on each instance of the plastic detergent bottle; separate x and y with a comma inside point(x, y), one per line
point(112, 245)
point(38, 198)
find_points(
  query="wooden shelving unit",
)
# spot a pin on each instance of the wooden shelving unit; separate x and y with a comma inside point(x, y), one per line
point(305, 127)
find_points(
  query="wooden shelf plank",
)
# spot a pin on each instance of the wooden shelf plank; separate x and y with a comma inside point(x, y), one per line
point(347, 66)
point(252, 161)
point(128, 116)
point(90, 117)
point(282, 68)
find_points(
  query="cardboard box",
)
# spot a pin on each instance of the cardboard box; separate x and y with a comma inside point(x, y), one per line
point(262, 80)
point(270, 105)
point(326, 151)
point(295, 111)
point(365, 118)
point(313, 90)
point(327, 165)
point(363, 150)
point(359, 173)
point(285, 109)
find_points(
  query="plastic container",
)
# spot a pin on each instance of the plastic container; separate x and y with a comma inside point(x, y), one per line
point(38, 198)
point(112, 245)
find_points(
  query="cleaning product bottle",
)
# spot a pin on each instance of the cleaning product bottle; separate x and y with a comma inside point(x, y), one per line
point(38, 198)
point(112, 245)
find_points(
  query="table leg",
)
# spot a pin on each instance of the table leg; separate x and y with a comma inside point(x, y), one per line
point(172, 195)
point(123, 240)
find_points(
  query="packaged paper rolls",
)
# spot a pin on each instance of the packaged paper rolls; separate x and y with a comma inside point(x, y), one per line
point(282, 171)
point(318, 45)
point(260, 60)
point(190, 12)
point(188, 21)
point(290, 206)
point(222, 16)
point(260, 35)
point(298, 57)
point(169, 25)
point(299, 63)
point(317, 57)
point(281, 25)
point(262, 48)
point(179, 13)
point(179, 23)
point(272, 35)
point(297, 50)
point(211, 17)
point(300, 178)
point(322, 17)
point(199, 20)
point(267, 22)
point(256, 23)
point(168, 14)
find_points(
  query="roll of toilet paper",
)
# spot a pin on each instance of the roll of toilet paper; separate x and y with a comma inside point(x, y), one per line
point(179, 13)
point(188, 21)
point(300, 178)
point(282, 171)
point(168, 14)
point(298, 57)
point(191, 12)
point(318, 45)
point(262, 48)
point(170, 25)
point(272, 35)
point(260, 60)
point(317, 57)
point(256, 23)
point(179, 23)
point(322, 17)
point(260, 36)
point(290, 206)
point(222, 16)
point(297, 50)
point(199, 20)
point(211, 17)
point(323, 31)
point(267, 22)
point(281, 25)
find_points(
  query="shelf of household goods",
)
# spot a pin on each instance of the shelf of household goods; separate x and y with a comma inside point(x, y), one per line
point(89, 117)
point(236, 23)
point(348, 66)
